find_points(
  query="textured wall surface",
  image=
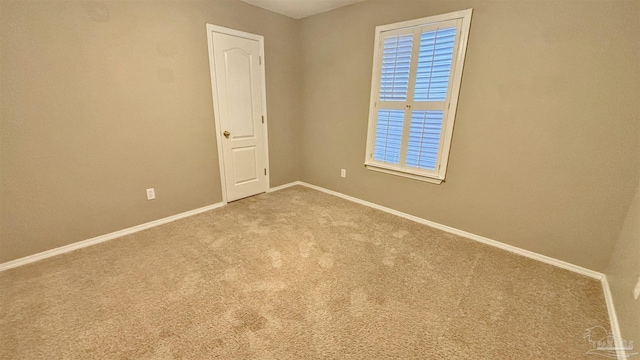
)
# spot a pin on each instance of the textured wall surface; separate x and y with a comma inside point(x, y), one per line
point(624, 271)
point(101, 100)
point(545, 147)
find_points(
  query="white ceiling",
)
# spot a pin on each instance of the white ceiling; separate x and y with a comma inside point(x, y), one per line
point(298, 9)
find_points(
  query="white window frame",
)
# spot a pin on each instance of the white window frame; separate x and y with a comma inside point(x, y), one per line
point(437, 176)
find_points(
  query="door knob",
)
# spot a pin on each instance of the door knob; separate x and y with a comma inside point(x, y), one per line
point(226, 134)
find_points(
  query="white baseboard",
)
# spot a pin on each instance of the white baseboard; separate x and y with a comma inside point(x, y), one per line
point(530, 254)
point(482, 239)
point(613, 317)
point(102, 238)
point(284, 186)
point(615, 329)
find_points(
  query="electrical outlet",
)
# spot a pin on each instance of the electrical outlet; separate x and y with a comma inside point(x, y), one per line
point(151, 194)
point(636, 291)
point(343, 173)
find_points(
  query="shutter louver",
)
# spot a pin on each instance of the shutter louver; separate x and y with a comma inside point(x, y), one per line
point(424, 138)
point(389, 136)
point(396, 61)
point(434, 64)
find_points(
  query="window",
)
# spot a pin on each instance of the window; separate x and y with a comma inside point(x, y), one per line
point(417, 69)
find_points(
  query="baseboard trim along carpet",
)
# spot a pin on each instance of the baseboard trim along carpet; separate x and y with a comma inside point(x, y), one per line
point(530, 254)
point(613, 318)
point(102, 238)
point(482, 239)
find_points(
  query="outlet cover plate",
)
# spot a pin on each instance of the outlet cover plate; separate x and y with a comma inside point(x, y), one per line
point(151, 194)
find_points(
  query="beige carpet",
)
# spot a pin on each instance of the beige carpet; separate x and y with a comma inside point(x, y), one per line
point(295, 274)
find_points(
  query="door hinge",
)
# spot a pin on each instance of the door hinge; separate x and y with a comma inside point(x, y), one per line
point(263, 119)
point(265, 171)
point(259, 60)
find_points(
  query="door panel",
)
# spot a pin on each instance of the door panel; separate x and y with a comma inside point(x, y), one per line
point(239, 93)
point(238, 72)
point(245, 164)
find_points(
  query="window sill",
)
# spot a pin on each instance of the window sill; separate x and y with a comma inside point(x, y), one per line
point(421, 177)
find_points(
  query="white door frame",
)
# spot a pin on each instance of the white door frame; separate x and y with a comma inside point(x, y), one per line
point(216, 104)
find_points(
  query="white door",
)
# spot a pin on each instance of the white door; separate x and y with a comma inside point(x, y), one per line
point(238, 91)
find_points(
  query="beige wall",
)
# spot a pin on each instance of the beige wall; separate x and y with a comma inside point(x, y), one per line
point(101, 100)
point(545, 148)
point(623, 273)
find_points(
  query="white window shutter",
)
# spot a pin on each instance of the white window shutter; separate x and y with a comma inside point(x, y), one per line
point(389, 136)
point(396, 61)
point(434, 64)
point(415, 86)
point(424, 139)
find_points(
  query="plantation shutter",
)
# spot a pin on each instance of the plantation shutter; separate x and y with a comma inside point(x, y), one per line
point(415, 76)
point(432, 82)
point(434, 64)
point(417, 73)
point(394, 84)
point(396, 61)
